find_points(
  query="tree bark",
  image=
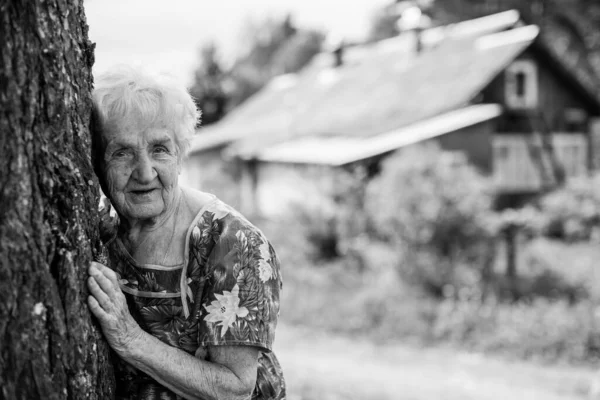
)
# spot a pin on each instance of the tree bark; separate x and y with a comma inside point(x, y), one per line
point(49, 346)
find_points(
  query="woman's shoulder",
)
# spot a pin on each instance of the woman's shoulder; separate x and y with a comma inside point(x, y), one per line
point(196, 200)
point(212, 213)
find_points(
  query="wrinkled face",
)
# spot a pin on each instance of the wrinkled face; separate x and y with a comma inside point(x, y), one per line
point(141, 169)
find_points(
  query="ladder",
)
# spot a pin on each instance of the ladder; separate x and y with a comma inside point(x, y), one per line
point(542, 152)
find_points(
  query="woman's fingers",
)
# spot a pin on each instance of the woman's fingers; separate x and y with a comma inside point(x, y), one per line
point(107, 272)
point(96, 308)
point(97, 265)
point(99, 294)
point(108, 304)
point(111, 276)
point(98, 272)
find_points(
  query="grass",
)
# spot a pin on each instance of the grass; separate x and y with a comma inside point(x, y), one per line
point(354, 330)
point(325, 366)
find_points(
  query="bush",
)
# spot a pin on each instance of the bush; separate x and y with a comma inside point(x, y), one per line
point(382, 306)
point(319, 230)
point(541, 330)
point(335, 227)
point(572, 212)
point(436, 209)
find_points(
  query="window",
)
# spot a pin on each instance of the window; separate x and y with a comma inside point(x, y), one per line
point(521, 89)
point(520, 78)
point(576, 120)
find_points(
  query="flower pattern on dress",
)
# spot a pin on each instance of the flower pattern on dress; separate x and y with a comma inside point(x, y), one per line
point(265, 271)
point(226, 309)
point(231, 284)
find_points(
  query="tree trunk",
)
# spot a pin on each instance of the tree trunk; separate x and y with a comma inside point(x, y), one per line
point(49, 346)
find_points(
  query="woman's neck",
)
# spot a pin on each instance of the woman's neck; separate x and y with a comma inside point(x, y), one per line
point(162, 241)
point(135, 227)
point(153, 231)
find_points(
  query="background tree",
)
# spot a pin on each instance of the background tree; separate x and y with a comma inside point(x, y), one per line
point(272, 47)
point(207, 90)
point(383, 24)
point(581, 17)
point(440, 222)
point(49, 347)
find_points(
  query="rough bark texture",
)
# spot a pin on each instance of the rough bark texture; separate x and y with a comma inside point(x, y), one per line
point(49, 346)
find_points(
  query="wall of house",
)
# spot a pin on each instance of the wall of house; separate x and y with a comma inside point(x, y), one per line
point(475, 141)
point(521, 164)
point(273, 189)
point(516, 171)
point(555, 96)
point(281, 187)
point(207, 171)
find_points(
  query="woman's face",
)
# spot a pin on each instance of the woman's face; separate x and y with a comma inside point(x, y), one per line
point(141, 168)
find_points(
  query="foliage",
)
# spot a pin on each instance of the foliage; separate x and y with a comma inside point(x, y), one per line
point(275, 47)
point(542, 330)
point(435, 208)
point(272, 47)
point(208, 88)
point(297, 51)
point(318, 228)
point(383, 25)
point(572, 212)
point(380, 305)
point(337, 225)
point(429, 229)
point(582, 16)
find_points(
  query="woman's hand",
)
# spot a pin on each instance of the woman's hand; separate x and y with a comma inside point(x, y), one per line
point(107, 302)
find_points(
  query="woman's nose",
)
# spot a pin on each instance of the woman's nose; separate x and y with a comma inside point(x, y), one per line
point(144, 171)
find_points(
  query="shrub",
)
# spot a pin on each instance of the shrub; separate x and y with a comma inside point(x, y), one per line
point(542, 330)
point(572, 212)
point(336, 226)
point(318, 227)
point(436, 208)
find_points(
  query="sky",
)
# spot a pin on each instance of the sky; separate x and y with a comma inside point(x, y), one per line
point(166, 35)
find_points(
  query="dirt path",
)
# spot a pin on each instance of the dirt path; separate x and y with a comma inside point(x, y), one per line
point(322, 367)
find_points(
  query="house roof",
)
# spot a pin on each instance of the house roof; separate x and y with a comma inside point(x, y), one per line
point(381, 86)
point(338, 150)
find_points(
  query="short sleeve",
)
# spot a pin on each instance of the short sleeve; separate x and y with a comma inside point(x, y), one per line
point(240, 301)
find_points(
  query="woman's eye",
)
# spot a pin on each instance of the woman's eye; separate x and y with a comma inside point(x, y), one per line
point(161, 150)
point(120, 153)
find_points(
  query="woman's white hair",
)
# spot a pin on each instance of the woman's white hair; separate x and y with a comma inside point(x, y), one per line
point(126, 96)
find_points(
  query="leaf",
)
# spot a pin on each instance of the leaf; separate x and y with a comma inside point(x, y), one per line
point(188, 343)
point(240, 331)
point(243, 250)
point(160, 313)
point(265, 309)
point(249, 289)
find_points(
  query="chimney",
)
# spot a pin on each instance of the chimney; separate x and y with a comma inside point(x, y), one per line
point(338, 55)
point(412, 21)
point(335, 45)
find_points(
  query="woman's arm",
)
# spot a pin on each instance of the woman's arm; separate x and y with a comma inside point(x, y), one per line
point(229, 372)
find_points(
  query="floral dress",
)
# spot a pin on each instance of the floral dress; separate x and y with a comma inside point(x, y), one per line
point(225, 293)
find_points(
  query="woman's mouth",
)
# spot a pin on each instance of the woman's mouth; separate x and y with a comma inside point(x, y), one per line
point(142, 193)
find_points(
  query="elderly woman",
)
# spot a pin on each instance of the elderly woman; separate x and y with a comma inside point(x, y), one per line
point(190, 298)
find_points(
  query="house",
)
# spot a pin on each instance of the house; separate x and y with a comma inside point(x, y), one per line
point(489, 87)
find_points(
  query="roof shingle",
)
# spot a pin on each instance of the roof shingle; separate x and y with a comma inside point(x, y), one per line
point(383, 87)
